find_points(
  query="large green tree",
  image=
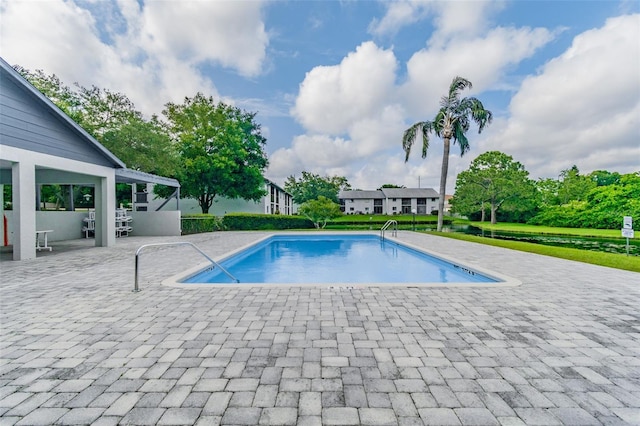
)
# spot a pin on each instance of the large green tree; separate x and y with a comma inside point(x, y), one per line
point(104, 111)
point(221, 149)
point(310, 186)
point(602, 207)
point(548, 192)
point(143, 145)
point(450, 123)
point(573, 186)
point(496, 181)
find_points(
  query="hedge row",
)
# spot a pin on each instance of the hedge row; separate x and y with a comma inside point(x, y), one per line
point(259, 222)
point(198, 223)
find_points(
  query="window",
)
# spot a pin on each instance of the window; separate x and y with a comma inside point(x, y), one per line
point(406, 205)
point(422, 206)
point(377, 206)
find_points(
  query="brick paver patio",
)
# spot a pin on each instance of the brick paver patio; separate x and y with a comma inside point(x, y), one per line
point(79, 347)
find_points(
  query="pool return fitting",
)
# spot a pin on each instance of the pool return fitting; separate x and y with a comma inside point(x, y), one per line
point(183, 243)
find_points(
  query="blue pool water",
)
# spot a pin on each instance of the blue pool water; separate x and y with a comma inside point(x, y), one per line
point(335, 259)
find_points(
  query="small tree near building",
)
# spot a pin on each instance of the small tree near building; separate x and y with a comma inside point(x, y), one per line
point(311, 186)
point(320, 210)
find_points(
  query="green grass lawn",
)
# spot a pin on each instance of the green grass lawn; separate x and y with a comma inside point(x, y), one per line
point(612, 260)
point(533, 229)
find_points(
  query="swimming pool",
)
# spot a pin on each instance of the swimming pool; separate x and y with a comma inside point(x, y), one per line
point(336, 259)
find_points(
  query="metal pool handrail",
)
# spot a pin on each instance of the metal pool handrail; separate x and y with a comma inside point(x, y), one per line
point(394, 230)
point(183, 243)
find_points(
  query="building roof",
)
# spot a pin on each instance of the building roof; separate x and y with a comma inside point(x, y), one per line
point(390, 193)
point(360, 195)
point(58, 113)
point(410, 193)
point(136, 176)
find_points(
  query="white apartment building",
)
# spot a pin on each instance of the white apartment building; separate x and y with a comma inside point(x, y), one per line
point(389, 201)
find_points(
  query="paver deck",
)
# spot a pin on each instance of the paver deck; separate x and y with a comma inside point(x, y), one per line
point(77, 346)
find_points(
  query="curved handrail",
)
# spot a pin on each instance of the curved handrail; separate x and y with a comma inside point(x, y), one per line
point(182, 243)
point(394, 230)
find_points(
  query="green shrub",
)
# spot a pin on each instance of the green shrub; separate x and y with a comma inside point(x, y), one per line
point(198, 223)
point(259, 222)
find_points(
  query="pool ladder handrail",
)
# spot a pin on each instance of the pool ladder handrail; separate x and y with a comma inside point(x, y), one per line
point(394, 230)
point(182, 243)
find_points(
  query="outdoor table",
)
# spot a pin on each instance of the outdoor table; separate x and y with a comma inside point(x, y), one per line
point(44, 234)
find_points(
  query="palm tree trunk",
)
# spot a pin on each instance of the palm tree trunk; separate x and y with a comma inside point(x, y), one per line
point(443, 182)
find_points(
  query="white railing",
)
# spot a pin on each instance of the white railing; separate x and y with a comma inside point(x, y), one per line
point(183, 243)
point(394, 228)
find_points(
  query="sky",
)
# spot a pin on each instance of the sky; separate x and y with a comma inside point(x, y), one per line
point(335, 83)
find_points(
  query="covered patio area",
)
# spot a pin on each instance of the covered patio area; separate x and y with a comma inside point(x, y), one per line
point(41, 145)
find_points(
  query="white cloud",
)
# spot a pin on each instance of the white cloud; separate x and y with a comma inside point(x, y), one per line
point(450, 17)
point(483, 61)
point(333, 97)
point(399, 14)
point(583, 108)
point(153, 57)
point(49, 35)
point(230, 33)
point(359, 97)
point(461, 19)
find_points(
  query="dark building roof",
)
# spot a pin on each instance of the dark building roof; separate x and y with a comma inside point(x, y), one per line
point(10, 75)
point(390, 193)
point(361, 195)
point(410, 193)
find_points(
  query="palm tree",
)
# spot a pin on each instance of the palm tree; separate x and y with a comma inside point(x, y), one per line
point(451, 122)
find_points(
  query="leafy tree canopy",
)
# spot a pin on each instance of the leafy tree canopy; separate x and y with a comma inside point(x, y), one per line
point(494, 181)
point(52, 87)
point(221, 150)
point(320, 210)
point(311, 186)
point(143, 145)
point(603, 207)
point(604, 177)
point(390, 185)
point(573, 186)
point(104, 111)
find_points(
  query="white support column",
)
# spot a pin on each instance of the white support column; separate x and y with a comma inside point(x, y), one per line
point(23, 179)
point(2, 230)
point(105, 212)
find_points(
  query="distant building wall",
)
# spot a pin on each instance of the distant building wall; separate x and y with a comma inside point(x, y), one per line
point(276, 200)
point(390, 201)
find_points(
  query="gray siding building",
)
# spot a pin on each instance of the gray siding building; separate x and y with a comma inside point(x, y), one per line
point(41, 145)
